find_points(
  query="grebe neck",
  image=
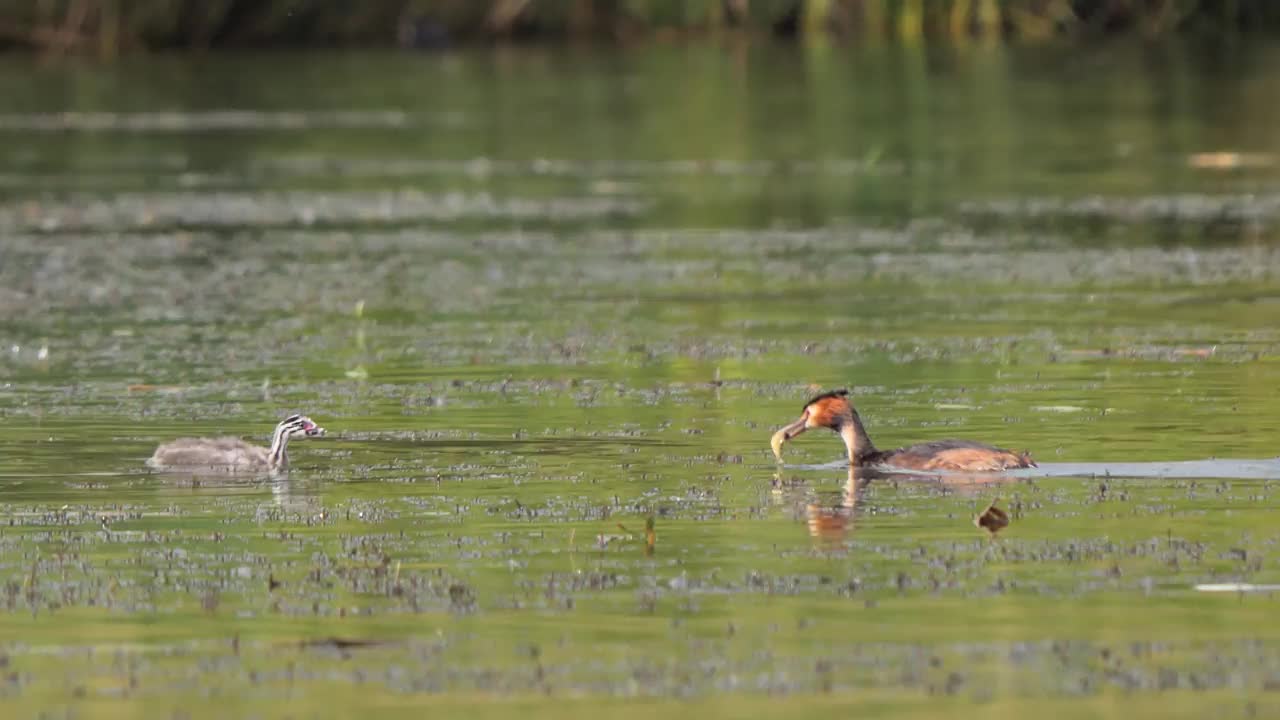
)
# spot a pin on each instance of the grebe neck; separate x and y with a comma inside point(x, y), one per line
point(279, 453)
point(856, 439)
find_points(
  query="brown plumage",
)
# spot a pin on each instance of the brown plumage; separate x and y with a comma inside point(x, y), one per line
point(834, 411)
point(233, 455)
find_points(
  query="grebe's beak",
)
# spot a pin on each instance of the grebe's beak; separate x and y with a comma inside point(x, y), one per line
point(313, 430)
point(786, 434)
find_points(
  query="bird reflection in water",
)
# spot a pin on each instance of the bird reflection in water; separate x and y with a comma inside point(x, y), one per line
point(830, 522)
point(831, 516)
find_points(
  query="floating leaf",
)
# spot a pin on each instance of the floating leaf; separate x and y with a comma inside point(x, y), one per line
point(993, 519)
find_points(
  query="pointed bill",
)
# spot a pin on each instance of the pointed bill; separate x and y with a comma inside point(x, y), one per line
point(784, 435)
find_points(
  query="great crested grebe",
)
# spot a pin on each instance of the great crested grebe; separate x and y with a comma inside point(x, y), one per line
point(228, 454)
point(834, 411)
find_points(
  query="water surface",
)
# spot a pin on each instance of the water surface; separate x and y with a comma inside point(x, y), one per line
point(542, 298)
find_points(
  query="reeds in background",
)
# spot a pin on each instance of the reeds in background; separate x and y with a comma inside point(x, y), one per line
point(110, 27)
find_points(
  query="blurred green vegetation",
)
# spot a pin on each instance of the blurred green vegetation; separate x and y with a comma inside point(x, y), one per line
point(110, 27)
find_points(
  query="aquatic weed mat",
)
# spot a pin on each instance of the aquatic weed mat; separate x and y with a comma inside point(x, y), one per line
point(329, 676)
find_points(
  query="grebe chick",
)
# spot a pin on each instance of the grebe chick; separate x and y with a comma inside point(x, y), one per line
point(228, 454)
point(834, 411)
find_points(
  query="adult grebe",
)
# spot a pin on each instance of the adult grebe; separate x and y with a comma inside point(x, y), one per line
point(834, 411)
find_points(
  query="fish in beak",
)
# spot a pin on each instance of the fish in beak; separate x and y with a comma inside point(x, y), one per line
point(787, 433)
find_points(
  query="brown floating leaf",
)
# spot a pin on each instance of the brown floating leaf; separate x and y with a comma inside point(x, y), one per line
point(650, 536)
point(993, 519)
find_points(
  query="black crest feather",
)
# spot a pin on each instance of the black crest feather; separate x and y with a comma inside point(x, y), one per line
point(841, 393)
